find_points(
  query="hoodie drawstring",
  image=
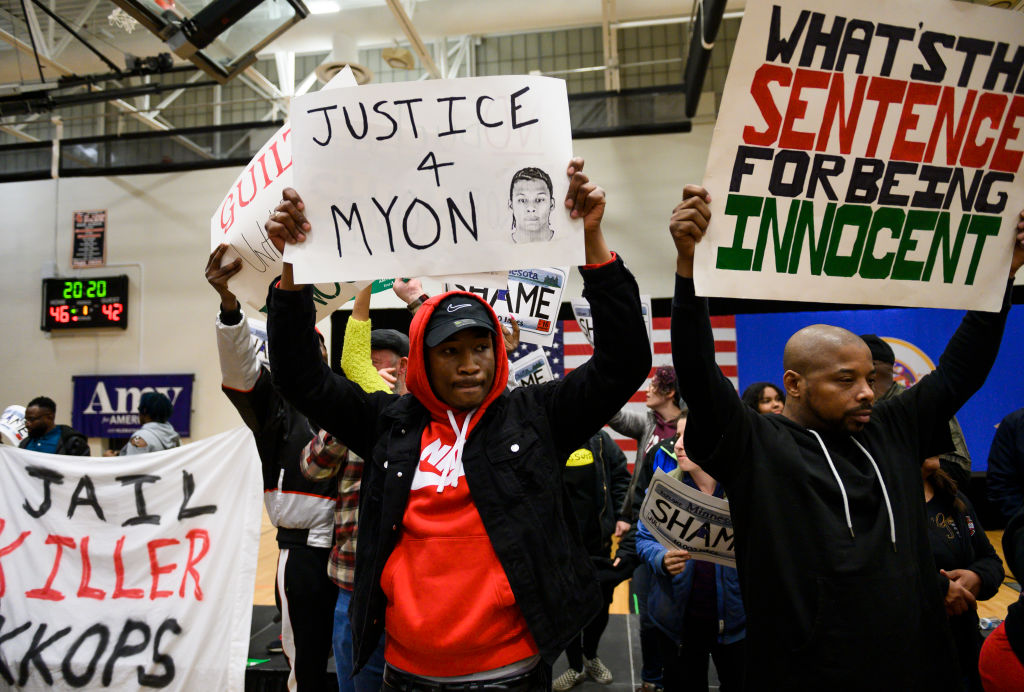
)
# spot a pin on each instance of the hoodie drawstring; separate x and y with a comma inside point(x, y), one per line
point(842, 488)
point(451, 466)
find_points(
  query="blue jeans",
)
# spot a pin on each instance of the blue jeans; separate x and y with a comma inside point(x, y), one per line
point(371, 677)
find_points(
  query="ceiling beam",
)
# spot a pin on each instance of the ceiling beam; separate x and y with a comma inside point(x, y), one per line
point(414, 39)
point(79, 22)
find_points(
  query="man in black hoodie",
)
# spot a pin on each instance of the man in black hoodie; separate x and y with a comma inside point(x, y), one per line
point(831, 544)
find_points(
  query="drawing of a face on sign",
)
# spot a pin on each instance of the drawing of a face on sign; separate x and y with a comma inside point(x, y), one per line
point(531, 200)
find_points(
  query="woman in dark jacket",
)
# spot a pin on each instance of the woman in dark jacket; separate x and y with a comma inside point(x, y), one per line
point(969, 567)
point(695, 604)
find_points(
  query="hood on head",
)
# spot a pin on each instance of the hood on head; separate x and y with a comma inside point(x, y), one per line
point(418, 380)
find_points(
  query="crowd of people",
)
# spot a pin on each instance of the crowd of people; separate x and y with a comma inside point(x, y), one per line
point(443, 529)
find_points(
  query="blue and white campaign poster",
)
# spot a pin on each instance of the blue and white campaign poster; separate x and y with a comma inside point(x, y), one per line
point(108, 405)
point(918, 338)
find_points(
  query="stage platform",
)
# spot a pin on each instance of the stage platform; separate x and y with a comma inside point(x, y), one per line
point(620, 651)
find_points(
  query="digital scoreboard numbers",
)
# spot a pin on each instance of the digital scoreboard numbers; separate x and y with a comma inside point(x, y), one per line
point(86, 303)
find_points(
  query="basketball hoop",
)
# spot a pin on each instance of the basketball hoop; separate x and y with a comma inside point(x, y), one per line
point(122, 20)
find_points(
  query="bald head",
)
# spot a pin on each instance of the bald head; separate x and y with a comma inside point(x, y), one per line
point(815, 347)
point(828, 378)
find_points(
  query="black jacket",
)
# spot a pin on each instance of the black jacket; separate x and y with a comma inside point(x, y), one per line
point(71, 443)
point(827, 609)
point(596, 491)
point(514, 458)
point(1005, 479)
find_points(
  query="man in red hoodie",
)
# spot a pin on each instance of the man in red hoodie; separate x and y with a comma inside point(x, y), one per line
point(468, 557)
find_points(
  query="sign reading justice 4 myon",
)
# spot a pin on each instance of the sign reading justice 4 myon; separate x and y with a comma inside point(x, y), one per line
point(433, 178)
point(868, 153)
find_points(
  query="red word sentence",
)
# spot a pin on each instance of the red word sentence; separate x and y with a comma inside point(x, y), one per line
point(933, 123)
point(165, 556)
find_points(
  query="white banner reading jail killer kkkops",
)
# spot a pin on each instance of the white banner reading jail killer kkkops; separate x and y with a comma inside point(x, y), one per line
point(129, 573)
point(867, 153)
point(434, 178)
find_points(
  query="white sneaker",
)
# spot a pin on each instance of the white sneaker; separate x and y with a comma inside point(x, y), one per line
point(597, 671)
point(567, 680)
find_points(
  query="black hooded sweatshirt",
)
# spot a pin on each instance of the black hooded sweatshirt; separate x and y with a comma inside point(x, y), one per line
point(840, 591)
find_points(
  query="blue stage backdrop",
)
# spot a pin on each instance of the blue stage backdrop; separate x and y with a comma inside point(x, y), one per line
point(918, 336)
point(107, 405)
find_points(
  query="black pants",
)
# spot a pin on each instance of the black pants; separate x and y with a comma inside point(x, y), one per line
point(685, 665)
point(308, 597)
point(585, 643)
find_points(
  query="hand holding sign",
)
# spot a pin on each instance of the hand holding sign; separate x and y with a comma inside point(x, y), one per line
point(219, 275)
point(688, 224)
point(586, 201)
point(675, 561)
point(1018, 248)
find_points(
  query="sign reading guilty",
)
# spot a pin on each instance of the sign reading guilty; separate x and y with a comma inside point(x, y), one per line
point(429, 178)
point(133, 573)
point(868, 153)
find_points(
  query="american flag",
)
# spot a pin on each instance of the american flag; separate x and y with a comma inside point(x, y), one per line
point(570, 350)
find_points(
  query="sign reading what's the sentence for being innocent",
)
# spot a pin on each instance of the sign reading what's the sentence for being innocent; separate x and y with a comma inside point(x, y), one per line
point(867, 153)
point(434, 178)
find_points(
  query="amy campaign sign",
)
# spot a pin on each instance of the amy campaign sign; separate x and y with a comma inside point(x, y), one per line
point(248, 204)
point(132, 573)
point(433, 178)
point(108, 405)
point(867, 153)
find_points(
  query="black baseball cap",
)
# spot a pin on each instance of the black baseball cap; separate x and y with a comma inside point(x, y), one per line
point(880, 350)
point(455, 313)
point(389, 340)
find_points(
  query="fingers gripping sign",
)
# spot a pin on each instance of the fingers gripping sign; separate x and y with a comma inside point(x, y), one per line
point(688, 224)
point(288, 224)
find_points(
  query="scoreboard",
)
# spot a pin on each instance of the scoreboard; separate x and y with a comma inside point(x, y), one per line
point(85, 303)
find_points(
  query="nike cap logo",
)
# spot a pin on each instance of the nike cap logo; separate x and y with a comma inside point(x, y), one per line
point(455, 308)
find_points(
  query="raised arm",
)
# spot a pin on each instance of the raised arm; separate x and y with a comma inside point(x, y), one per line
point(590, 395)
point(300, 374)
point(964, 364)
point(710, 396)
point(356, 361)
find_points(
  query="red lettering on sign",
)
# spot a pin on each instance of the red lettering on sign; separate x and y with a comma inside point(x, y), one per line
point(156, 569)
point(48, 593)
point(193, 560)
point(119, 590)
point(7, 550)
point(84, 590)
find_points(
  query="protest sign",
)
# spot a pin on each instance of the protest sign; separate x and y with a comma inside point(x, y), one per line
point(867, 153)
point(531, 369)
point(12, 425)
point(108, 405)
point(532, 296)
point(581, 310)
point(240, 216)
point(134, 572)
point(683, 518)
point(439, 177)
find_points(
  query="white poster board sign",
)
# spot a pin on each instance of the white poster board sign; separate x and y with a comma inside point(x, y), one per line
point(531, 369)
point(138, 571)
point(581, 311)
point(433, 178)
point(532, 296)
point(12, 425)
point(248, 204)
point(683, 518)
point(855, 165)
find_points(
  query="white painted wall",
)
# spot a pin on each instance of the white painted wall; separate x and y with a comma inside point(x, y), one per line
point(158, 234)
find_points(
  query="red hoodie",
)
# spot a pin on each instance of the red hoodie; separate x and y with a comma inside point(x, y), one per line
point(451, 610)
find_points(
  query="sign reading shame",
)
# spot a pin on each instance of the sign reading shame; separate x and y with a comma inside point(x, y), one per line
point(129, 573)
point(684, 518)
point(531, 296)
point(248, 204)
point(868, 153)
point(434, 178)
point(531, 369)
